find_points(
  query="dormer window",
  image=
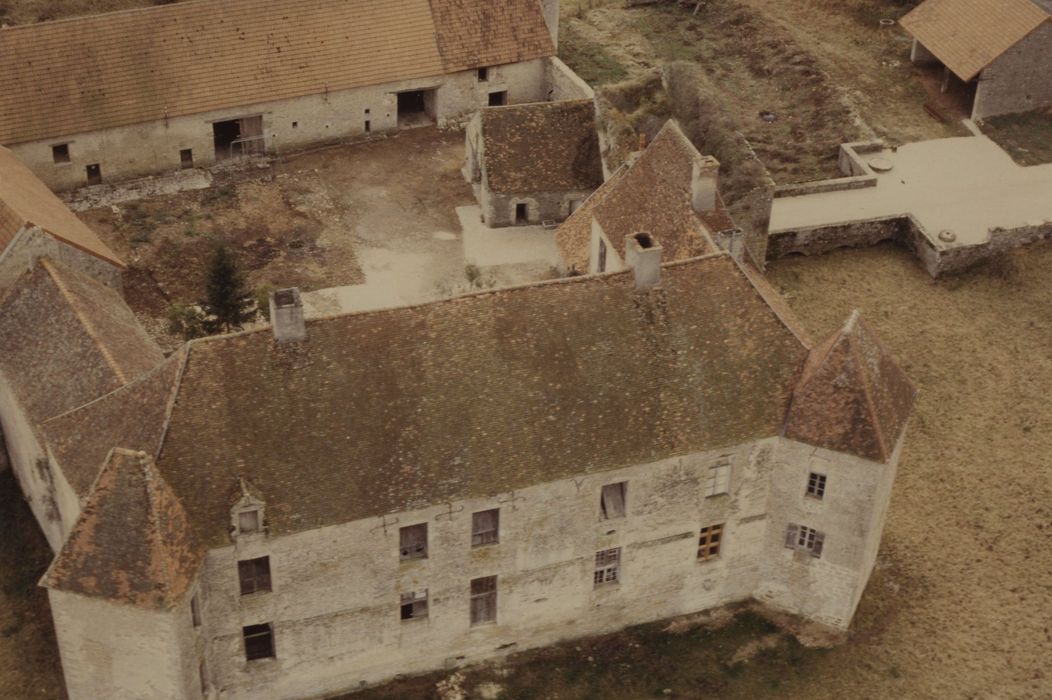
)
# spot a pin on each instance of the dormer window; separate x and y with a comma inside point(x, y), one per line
point(249, 521)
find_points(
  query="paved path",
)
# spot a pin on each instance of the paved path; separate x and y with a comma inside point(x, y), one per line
point(967, 185)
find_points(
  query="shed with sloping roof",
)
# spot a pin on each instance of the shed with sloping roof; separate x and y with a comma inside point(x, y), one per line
point(1001, 50)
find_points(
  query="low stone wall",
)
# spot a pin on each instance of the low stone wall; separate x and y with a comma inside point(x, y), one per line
point(857, 173)
point(937, 260)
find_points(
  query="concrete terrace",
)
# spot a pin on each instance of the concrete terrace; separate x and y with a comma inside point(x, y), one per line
point(967, 186)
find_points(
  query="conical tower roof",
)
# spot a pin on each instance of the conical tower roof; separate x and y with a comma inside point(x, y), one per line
point(852, 396)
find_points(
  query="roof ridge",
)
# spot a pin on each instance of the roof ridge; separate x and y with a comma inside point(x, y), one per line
point(89, 327)
point(866, 380)
point(172, 397)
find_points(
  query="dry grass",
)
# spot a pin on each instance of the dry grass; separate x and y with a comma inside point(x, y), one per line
point(1026, 137)
point(30, 11)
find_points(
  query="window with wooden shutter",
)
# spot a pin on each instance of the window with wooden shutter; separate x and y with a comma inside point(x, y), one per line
point(254, 575)
point(483, 600)
point(719, 481)
point(412, 542)
point(485, 527)
point(613, 500)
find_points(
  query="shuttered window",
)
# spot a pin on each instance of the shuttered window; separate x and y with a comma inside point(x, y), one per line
point(485, 527)
point(254, 575)
point(613, 500)
point(483, 600)
point(805, 539)
point(412, 542)
point(719, 481)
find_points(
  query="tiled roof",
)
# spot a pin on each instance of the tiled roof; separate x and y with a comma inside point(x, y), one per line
point(852, 396)
point(132, 542)
point(133, 417)
point(541, 147)
point(66, 339)
point(24, 199)
point(969, 35)
point(477, 395)
point(91, 73)
point(652, 195)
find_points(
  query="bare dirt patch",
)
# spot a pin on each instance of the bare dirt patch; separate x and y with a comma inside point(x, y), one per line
point(302, 220)
point(30, 11)
point(821, 72)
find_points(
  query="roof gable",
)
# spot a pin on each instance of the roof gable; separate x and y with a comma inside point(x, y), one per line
point(969, 35)
point(852, 397)
point(653, 194)
point(132, 543)
point(92, 73)
point(26, 201)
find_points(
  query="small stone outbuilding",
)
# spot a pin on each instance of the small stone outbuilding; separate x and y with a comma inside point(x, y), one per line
point(535, 162)
point(998, 52)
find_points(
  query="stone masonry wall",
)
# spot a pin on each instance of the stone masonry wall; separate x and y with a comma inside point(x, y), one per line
point(335, 599)
point(289, 124)
point(29, 245)
point(1020, 80)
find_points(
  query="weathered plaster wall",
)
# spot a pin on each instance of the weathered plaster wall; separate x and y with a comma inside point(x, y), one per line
point(31, 244)
point(289, 124)
point(614, 263)
point(1020, 80)
point(52, 500)
point(119, 652)
point(335, 599)
point(564, 84)
point(822, 589)
point(499, 209)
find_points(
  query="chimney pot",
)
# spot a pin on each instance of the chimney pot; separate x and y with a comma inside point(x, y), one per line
point(643, 256)
point(286, 316)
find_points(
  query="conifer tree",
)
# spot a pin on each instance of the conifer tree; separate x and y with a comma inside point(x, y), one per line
point(228, 303)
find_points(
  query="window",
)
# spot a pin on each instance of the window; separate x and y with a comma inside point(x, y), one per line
point(295, 125)
point(483, 74)
point(612, 503)
point(60, 153)
point(816, 485)
point(709, 542)
point(607, 567)
point(94, 174)
point(483, 600)
point(368, 126)
point(805, 539)
point(254, 575)
point(248, 522)
point(498, 99)
point(414, 605)
point(412, 542)
point(719, 481)
point(259, 641)
point(601, 266)
point(485, 527)
point(195, 610)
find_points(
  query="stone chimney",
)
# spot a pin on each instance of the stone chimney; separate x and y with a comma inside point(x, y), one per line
point(286, 316)
point(704, 181)
point(643, 257)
